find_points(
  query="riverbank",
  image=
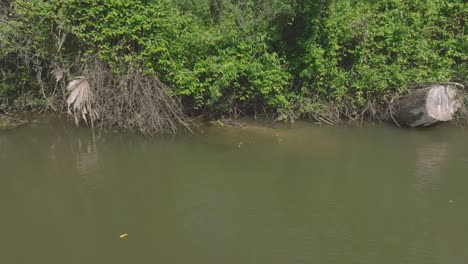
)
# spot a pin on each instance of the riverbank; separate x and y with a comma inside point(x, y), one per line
point(152, 66)
point(261, 125)
point(422, 107)
point(7, 122)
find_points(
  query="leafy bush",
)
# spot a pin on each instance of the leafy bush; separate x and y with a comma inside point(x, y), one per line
point(290, 56)
point(366, 49)
point(211, 65)
point(27, 46)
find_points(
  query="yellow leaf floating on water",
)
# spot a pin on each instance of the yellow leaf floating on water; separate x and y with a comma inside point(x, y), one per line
point(123, 235)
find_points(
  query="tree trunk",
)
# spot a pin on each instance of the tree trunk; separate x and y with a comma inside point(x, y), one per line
point(427, 106)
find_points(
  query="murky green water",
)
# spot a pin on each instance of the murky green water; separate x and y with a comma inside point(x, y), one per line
point(253, 195)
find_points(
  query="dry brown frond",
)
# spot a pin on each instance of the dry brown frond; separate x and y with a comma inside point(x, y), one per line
point(80, 101)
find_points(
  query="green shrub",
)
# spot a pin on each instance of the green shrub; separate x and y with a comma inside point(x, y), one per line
point(211, 65)
point(365, 49)
point(27, 46)
point(286, 55)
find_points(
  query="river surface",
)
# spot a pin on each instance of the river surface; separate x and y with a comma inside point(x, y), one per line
point(311, 194)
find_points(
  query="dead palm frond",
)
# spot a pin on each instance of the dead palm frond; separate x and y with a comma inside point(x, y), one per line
point(80, 101)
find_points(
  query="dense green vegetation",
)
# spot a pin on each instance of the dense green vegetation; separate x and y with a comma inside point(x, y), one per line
point(289, 57)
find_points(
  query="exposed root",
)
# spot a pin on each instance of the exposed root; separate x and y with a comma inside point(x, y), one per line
point(133, 101)
point(462, 114)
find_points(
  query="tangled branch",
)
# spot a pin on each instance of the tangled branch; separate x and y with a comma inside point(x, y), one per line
point(134, 101)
